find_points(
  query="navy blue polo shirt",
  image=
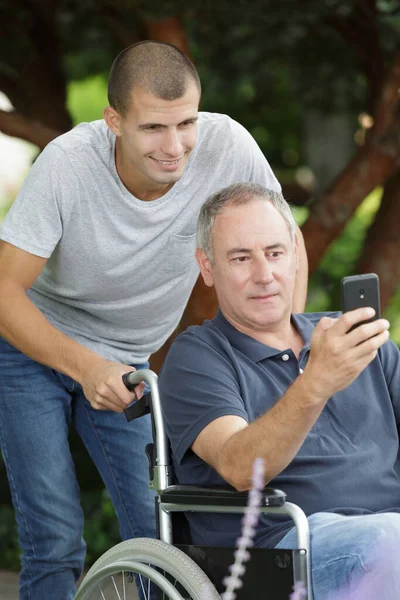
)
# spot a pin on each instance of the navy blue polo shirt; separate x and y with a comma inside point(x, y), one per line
point(349, 462)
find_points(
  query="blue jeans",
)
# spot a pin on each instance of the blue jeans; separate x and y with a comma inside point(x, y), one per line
point(37, 405)
point(353, 557)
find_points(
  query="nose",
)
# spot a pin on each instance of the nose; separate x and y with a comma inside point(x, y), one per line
point(172, 144)
point(263, 272)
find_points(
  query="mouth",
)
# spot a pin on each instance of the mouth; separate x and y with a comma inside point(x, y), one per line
point(169, 164)
point(263, 297)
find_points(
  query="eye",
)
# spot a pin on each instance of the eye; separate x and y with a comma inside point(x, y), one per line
point(186, 124)
point(275, 254)
point(153, 128)
point(240, 259)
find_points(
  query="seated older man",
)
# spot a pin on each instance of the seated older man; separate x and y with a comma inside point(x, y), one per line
point(318, 404)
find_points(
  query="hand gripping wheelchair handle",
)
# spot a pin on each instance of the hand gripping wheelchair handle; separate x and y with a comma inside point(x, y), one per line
point(139, 407)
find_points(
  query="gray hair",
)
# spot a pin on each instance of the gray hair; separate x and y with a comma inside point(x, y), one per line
point(235, 195)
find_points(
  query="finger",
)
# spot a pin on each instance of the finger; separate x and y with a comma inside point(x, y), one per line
point(367, 330)
point(369, 346)
point(106, 392)
point(124, 395)
point(327, 322)
point(104, 403)
point(348, 319)
point(139, 389)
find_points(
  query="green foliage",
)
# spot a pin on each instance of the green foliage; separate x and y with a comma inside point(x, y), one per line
point(100, 532)
point(101, 527)
point(9, 548)
point(341, 259)
point(87, 99)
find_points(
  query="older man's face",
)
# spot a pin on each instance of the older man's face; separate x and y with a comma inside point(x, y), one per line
point(254, 266)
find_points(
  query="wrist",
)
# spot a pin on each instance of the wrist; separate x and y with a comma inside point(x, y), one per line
point(312, 389)
point(85, 360)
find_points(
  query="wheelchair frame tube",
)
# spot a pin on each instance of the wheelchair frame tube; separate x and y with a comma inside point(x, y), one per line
point(161, 444)
point(302, 561)
point(162, 477)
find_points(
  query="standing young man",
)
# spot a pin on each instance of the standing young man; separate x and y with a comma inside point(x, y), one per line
point(96, 266)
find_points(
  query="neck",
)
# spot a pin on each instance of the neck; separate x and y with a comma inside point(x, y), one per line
point(134, 183)
point(282, 336)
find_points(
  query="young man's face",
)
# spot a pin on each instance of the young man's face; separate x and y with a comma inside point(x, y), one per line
point(254, 266)
point(156, 137)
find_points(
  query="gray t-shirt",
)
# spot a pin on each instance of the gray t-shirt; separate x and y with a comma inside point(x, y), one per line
point(120, 270)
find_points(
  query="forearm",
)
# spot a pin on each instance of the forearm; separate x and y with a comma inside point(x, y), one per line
point(25, 327)
point(276, 436)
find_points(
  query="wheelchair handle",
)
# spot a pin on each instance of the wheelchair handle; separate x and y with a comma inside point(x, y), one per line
point(128, 384)
point(161, 443)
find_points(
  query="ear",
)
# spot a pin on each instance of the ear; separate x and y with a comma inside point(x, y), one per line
point(205, 267)
point(113, 120)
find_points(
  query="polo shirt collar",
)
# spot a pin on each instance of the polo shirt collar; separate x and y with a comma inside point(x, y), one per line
point(254, 349)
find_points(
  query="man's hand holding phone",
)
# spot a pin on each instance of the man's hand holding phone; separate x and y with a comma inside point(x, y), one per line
point(341, 348)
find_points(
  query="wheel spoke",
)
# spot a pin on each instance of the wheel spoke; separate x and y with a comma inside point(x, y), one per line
point(123, 584)
point(141, 583)
point(102, 595)
point(115, 587)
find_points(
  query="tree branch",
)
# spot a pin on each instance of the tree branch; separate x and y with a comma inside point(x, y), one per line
point(16, 125)
point(372, 165)
point(382, 243)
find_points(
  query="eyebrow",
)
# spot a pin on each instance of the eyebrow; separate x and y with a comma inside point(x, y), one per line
point(248, 251)
point(147, 125)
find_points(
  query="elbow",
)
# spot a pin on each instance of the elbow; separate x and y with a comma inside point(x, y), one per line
point(234, 478)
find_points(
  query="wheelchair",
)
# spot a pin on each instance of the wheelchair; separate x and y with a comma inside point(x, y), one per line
point(172, 564)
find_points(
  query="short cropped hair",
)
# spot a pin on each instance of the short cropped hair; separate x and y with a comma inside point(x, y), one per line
point(161, 69)
point(235, 195)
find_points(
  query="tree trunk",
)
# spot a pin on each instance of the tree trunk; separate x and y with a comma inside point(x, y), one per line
point(328, 216)
point(371, 166)
point(38, 92)
point(382, 244)
point(168, 30)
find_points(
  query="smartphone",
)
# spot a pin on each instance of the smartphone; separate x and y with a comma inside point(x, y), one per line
point(359, 291)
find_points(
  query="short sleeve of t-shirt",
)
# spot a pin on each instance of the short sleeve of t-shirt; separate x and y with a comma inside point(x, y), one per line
point(34, 222)
point(249, 155)
point(389, 355)
point(208, 388)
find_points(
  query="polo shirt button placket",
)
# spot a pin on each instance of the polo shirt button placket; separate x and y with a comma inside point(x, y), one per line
point(285, 357)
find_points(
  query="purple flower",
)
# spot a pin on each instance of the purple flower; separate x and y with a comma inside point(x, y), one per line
point(249, 523)
point(299, 591)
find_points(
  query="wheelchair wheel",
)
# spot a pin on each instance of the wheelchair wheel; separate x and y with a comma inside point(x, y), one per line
point(173, 574)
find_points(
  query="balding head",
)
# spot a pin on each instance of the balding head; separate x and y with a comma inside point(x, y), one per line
point(159, 68)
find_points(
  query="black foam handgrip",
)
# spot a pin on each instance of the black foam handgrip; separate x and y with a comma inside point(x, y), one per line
point(128, 384)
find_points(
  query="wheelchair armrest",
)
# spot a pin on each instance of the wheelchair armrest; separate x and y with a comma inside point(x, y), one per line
point(225, 496)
